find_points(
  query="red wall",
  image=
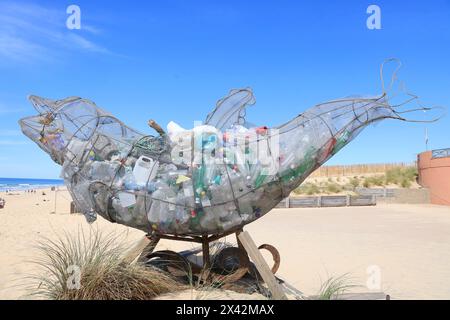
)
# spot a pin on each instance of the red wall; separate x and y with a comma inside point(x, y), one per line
point(435, 175)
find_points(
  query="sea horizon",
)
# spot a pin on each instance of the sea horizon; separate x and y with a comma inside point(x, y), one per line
point(28, 183)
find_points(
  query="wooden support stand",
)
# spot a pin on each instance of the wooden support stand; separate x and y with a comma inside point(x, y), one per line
point(261, 264)
point(147, 244)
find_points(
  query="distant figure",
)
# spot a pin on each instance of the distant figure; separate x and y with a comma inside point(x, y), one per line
point(2, 203)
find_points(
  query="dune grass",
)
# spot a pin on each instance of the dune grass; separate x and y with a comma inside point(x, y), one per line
point(90, 267)
point(401, 177)
point(334, 287)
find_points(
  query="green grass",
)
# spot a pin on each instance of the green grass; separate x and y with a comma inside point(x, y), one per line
point(310, 189)
point(333, 188)
point(333, 287)
point(355, 182)
point(379, 181)
point(307, 188)
point(402, 176)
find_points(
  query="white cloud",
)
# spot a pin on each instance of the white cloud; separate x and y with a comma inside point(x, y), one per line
point(86, 44)
point(91, 29)
point(31, 33)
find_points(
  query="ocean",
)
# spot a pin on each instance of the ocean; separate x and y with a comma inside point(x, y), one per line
point(25, 184)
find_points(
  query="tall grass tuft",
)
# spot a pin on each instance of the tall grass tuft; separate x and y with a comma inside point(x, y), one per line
point(332, 288)
point(91, 267)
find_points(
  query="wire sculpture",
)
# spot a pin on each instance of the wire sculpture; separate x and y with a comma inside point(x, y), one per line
point(208, 180)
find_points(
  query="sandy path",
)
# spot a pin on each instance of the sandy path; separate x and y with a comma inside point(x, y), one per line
point(410, 245)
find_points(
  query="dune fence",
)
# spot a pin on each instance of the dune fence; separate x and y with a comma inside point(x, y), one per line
point(359, 169)
point(328, 201)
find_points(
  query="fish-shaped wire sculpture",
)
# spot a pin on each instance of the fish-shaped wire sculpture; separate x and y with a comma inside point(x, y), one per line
point(211, 179)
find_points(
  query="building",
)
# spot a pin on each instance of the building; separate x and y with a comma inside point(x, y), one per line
point(434, 174)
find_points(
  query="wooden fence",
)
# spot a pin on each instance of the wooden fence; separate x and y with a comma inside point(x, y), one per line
point(358, 169)
point(327, 201)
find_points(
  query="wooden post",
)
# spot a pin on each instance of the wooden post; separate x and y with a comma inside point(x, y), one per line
point(154, 240)
point(56, 190)
point(261, 265)
point(239, 244)
point(205, 249)
point(152, 124)
point(144, 246)
point(348, 200)
point(73, 208)
point(287, 202)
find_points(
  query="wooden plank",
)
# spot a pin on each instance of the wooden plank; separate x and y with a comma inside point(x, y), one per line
point(363, 200)
point(73, 207)
point(334, 201)
point(329, 201)
point(205, 250)
point(154, 240)
point(145, 245)
point(303, 202)
point(261, 265)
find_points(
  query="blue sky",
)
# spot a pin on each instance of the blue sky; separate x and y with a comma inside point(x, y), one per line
point(171, 60)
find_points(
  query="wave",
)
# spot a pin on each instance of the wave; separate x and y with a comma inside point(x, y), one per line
point(16, 184)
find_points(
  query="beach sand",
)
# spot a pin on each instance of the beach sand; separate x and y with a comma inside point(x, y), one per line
point(406, 247)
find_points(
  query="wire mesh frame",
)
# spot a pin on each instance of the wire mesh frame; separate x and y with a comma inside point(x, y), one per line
point(323, 152)
point(235, 199)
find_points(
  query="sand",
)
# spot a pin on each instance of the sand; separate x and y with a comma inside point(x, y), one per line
point(406, 247)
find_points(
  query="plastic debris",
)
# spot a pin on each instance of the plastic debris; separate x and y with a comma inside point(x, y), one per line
point(210, 179)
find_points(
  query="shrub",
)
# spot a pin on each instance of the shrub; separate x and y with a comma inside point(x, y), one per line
point(307, 188)
point(366, 183)
point(379, 181)
point(406, 183)
point(333, 188)
point(401, 176)
point(374, 181)
point(354, 182)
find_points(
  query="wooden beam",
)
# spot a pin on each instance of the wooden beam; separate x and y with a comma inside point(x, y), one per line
point(261, 265)
point(154, 240)
point(152, 124)
point(146, 244)
point(205, 249)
